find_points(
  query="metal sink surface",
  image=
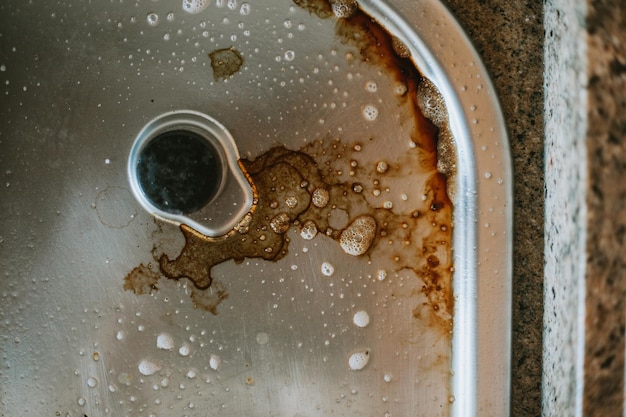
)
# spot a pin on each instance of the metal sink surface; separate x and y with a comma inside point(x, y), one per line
point(349, 253)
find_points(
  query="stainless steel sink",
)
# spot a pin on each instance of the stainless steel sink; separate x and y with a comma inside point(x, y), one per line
point(250, 208)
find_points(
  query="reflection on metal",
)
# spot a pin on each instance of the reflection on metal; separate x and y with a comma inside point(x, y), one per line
point(280, 300)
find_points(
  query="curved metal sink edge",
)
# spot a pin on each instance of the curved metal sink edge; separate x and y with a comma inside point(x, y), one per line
point(482, 280)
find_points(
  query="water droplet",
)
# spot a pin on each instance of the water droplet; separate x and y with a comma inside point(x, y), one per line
point(382, 167)
point(289, 55)
point(356, 239)
point(361, 318)
point(327, 269)
point(488, 175)
point(170, 17)
point(3, 68)
point(191, 374)
point(214, 362)
point(184, 350)
point(400, 89)
point(370, 112)
point(153, 19)
point(147, 367)
point(244, 9)
point(232, 4)
point(358, 359)
point(92, 382)
point(262, 338)
point(387, 377)
point(195, 6)
point(81, 401)
point(165, 341)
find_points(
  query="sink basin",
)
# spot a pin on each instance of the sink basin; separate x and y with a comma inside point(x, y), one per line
point(285, 208)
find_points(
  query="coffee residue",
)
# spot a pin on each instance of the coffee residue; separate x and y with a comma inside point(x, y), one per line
point(327, 179)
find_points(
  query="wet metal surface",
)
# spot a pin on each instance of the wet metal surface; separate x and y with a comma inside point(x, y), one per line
point(338, 270)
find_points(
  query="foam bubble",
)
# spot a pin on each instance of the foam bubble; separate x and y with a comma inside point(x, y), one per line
point(291, 202)
point(431, 103)
point(280, 223)
point(214, 362)
point(327, 269)
point(400, 48)
point(358, 359)
point(370, 112)
point(308, 230)
point(356, 239)
point(195, 6)
point(320, 197)
point(344, 8)
point(361, 318)
point(147, 367)
point(165, 341)
point(371, 86)
point(382, 275)
point(184, 350)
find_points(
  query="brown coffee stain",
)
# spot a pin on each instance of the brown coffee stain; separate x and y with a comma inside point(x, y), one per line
point(142, 280)
point(225, 62)
point(306, 188)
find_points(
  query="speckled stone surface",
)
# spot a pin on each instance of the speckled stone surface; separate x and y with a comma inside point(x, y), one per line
point(509, 36)
point(565, 208)
point(585, 208)
point(606, 204)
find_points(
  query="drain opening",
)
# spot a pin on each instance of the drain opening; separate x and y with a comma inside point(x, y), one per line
point(179, 171)
point(184, 168)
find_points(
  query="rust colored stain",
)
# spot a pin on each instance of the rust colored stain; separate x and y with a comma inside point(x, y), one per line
point(142, 280)
point(225, 62)
point(305, 188)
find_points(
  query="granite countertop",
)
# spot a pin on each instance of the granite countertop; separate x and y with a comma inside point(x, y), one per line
point(509, 38)
point(560, 71)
